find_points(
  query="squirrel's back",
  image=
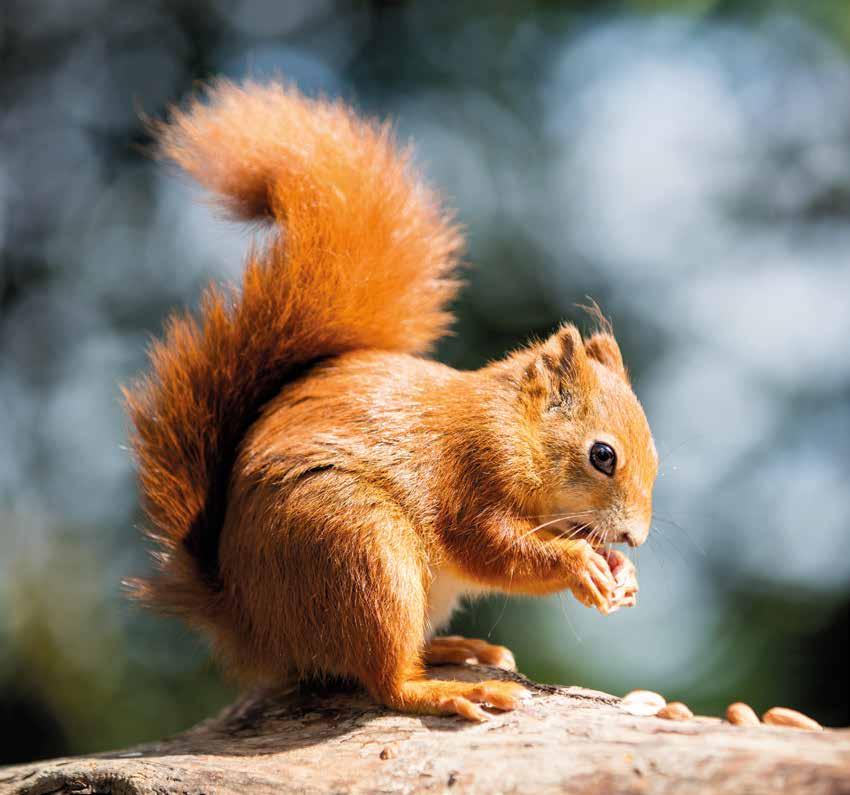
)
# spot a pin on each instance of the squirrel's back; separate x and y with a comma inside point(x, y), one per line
point(360, 256)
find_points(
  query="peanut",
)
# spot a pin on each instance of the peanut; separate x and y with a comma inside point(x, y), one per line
point(643, 702)
point(675, 710)
point(741, 714)
point(790, 718)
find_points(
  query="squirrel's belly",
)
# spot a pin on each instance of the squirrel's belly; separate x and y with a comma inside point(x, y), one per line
point(447, 589)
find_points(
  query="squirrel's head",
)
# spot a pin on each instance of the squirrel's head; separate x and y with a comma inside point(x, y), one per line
point(585, 438)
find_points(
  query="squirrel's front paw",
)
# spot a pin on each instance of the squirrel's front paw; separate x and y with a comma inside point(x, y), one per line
point(593, 582)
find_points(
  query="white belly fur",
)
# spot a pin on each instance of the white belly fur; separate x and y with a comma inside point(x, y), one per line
point(447, 589)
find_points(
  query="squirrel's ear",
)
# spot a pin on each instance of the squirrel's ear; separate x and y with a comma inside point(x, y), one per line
point(604, 349)
point(557, 365)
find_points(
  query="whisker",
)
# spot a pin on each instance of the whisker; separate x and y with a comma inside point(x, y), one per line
point(594, 537)
point(662, 457)
point(632, 555)
point(502, 611)
point(676, 548)
point(561, 602)
point(551, 522)
point(573, 532)
point(652, 537)
point(562, 515)
point(699, 548)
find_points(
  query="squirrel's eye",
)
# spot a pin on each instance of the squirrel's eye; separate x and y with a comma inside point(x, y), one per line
point(603, 457)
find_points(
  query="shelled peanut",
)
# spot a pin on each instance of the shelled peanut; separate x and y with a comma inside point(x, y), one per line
point(676, 710)
point(790, 718)
point(643, 702)
point(741, 714)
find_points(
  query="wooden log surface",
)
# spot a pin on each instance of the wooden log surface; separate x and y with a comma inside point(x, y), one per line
point(566, 739)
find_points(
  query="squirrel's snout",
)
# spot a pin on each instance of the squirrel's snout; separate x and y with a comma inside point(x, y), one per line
point(635, 532)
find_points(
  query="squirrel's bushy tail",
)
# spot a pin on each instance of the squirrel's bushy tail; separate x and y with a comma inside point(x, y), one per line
point(361, 256)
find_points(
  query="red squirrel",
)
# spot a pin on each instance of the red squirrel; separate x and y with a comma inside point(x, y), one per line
point(321, 494)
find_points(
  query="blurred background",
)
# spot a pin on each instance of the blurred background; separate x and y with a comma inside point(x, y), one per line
point(687, 164)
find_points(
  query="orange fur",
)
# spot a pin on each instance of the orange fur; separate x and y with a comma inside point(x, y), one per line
point(308, 475)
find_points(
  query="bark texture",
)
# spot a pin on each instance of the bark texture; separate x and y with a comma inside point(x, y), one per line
point(566, 739)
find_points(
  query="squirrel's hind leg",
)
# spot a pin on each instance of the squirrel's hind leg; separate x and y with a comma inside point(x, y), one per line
point(343, 592)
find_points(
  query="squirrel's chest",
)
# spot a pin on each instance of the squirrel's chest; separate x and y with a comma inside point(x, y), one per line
point(447, 589)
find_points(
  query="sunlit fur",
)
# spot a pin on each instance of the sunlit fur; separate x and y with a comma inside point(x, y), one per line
point(305, 471)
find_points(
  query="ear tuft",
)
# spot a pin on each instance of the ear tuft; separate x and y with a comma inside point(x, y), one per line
point(595, 313)
point(604, 349)
point(563, 352)
point(556, 365)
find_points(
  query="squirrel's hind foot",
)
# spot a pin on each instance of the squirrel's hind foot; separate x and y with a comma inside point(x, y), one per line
point(459, 698)
point(454, 649)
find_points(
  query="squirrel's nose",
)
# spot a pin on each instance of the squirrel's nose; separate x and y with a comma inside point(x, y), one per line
point(635, 532)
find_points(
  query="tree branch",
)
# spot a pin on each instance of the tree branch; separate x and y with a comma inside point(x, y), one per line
point(567, 740)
